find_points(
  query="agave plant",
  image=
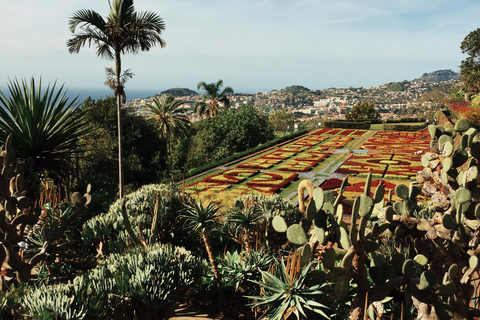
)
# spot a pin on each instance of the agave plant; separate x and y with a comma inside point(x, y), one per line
point(289, 292)
point(238, 269)
point(45, 125)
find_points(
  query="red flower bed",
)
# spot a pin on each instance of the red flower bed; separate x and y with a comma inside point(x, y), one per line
point(273, 179)
point(321, 131)
point(332, 183)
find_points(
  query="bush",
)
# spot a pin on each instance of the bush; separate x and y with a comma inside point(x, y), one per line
point(108, 229)
point(141, 283)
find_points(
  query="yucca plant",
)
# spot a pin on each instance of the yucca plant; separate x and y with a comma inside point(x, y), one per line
point(288, 292)
point(45, 125)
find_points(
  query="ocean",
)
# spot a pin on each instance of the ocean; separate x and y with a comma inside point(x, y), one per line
point(98, 93)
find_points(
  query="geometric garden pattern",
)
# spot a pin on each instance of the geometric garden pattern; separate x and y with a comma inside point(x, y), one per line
point(389, 155)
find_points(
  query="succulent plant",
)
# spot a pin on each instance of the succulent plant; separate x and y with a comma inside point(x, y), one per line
point(438, 245)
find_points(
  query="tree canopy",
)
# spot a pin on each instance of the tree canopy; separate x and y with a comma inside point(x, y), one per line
point(281, 119)
point(470, 67)
point(142, 143)
point(362, 111)
point(229, 132)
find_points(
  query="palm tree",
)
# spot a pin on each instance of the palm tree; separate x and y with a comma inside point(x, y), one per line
point(45, 126)
point(123, 31)
point(203, 220)
point(213, 98)
point(170, 116)
point(245, 224)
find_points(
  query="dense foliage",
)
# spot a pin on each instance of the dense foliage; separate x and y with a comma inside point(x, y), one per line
point(470, 67)
point(142, 143)
point(229, 132)
point(362, 111)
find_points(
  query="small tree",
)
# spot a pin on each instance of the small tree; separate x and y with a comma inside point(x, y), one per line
point(281, 119)
point(362, 111)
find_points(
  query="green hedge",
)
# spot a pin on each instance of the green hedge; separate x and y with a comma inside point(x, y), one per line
point(347, 124)
point(400, 127)
point(406, 120)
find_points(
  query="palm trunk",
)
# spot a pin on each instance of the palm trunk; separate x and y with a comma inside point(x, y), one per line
point(216, 274)
point(119, 93)
point(121, 182)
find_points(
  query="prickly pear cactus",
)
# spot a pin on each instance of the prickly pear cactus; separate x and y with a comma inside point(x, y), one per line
point(19, 191)
point(436, 242)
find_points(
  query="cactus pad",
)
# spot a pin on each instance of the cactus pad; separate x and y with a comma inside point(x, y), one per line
point(447, 289)
point(401, 191)
point(315, 277)
point(420, 260)
point(319, 196)
point(329, 258)
point(279, 224)
point(462, 195)
point(428, 279)
point(366, 205)
point(408, 268)
point(473, 262)
point(311, 210)
point(296, 235)
point(379, 194)
point(462, 125)
point(448, 222)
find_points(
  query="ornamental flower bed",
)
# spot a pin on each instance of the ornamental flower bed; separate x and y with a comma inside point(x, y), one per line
point(346, 132)
point(245, 173)
point(312, 140)
point(231, 176)
point(335, 142)
point(201, 186)
point(314, 155)
point(403, 166)
point(222, 181)
point(359, 164)
point(260, 163)
point(358, 133)
point(297, 166)
point(272, 179)
point(320, 131)
point(294, 148)
point(332, 183)
point(396, 145)
point(279, 154)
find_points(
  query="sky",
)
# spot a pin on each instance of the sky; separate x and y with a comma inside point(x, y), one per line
point(252, 45)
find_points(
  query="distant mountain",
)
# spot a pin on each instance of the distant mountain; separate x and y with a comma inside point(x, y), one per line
point(180, 92)
point(296, 89)
point(439, 76)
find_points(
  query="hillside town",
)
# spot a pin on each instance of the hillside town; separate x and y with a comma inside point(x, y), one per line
point(392, 100)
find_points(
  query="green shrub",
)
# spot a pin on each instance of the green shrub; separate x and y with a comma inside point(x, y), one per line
point(142, 283)
point(109, 228)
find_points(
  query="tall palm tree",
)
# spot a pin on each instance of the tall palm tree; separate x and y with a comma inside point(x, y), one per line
point(212, 98)
point(123, 31)
point(203, 220)
point(170, 116)
point(45, 126)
